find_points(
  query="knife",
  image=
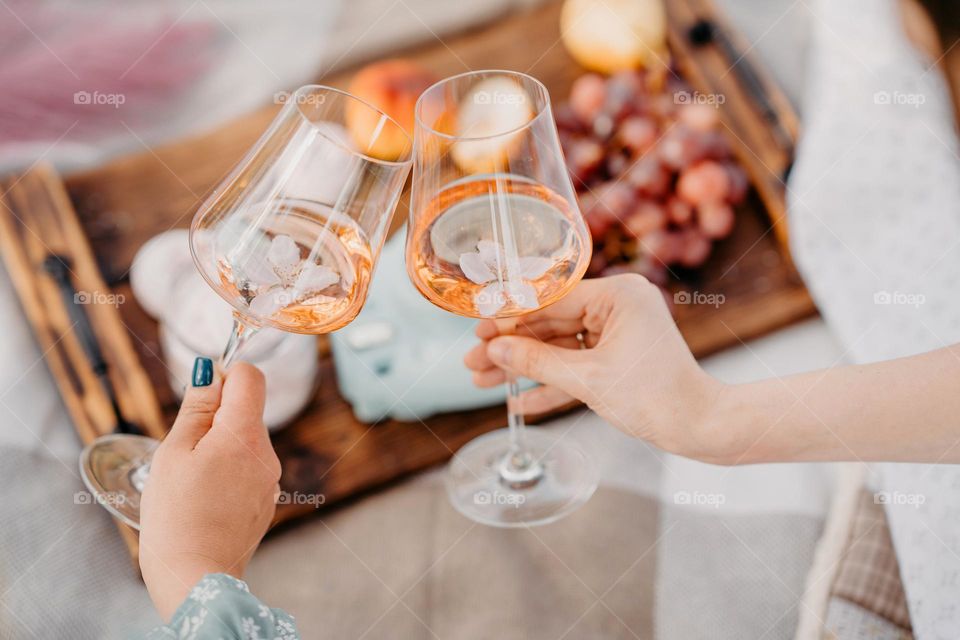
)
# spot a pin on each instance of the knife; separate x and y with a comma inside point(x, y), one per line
point(59, 267)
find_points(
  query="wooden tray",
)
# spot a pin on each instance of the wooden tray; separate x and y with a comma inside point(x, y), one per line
point(326, 450)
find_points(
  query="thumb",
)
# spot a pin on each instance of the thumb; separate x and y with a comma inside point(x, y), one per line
point(244, 396)
point(545, 363)
point(200, 403)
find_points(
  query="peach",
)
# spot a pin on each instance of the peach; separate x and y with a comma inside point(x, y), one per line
point(393, 86)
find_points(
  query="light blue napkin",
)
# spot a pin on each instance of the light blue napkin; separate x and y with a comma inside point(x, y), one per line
point(403, 357)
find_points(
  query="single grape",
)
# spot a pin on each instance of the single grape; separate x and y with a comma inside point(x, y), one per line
point(617, 197)
point(714, 145)
point(646, 217)
point(638, 133)
point(680, 147)
point(715, 219)
point(662, 245)
point(680, 212)
point(649, 177)
point(625, 90)
point(617, 163)
point(587, 97)
point(584, 156)
point(699, 117)
point(704, 182)
point(696, 248)
point(625, 96)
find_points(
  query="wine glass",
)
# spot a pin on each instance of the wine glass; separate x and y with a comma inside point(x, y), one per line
point(495, 232)
point(290, 239)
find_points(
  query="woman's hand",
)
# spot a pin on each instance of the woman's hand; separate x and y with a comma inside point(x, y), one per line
point(637, 372)
point(635, 369)
point(211, 493)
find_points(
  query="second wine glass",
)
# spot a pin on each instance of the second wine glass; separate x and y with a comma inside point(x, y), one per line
point(495, 232)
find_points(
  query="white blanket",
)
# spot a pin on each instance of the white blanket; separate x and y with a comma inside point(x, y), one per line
point(874, 204)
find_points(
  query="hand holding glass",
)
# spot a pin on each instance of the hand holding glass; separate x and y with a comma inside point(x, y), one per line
point(290, 239)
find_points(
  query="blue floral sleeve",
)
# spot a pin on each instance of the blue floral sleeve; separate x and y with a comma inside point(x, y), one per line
point(221, 606)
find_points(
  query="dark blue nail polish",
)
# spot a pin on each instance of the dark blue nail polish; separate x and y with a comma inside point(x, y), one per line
point(202, 372)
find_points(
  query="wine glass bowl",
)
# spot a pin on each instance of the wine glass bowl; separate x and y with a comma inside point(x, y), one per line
point(473, 266)
point(291, 237)
point(494, 231)
point(494, 226)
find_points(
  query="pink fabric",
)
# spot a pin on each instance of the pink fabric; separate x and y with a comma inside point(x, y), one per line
point(85, 72)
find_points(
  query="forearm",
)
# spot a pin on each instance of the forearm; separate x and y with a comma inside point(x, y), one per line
point(905, 410)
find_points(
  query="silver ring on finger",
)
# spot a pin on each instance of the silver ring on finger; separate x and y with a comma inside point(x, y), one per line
point(582, 339)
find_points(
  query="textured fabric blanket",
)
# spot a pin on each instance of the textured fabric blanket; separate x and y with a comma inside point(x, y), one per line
point(874, 205)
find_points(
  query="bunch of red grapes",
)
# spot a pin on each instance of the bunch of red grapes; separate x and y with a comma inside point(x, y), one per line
point(656, 178)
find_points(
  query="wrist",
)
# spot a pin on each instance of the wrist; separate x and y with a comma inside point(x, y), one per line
point(722, 426)
point(170, 580)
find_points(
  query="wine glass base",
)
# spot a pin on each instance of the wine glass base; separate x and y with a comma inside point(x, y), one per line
point(111, 467)
point(478, 491)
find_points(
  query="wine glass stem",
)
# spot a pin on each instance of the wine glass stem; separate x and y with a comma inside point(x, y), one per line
point(140, 468)
point(239, 337)
point(519, 469)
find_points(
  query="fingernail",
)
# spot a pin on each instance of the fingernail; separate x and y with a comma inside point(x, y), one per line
point(202, 372)
point(499, 351)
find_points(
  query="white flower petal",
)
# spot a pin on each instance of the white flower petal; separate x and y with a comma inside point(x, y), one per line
point(524, 295)
point(265, 304)
point(491, 253)
point(246, 252)
point(533, 267)
point(490, 299)
point(284, 256)
point(474, 268)
point(255, 272)
point(314, 278)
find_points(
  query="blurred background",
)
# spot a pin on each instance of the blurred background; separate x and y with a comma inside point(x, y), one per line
point(786, 173)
